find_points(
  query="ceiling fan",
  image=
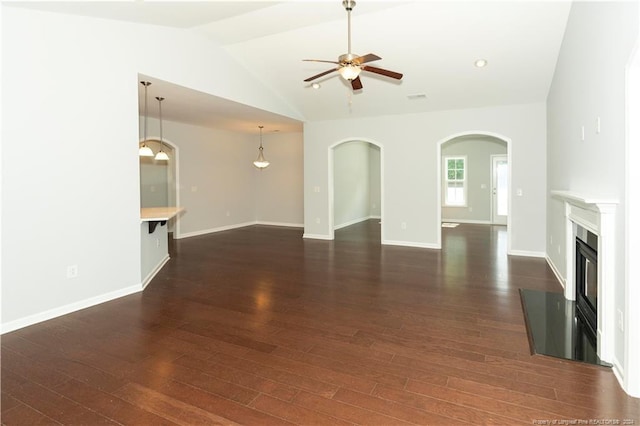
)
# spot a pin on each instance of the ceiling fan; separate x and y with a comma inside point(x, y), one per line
point(349, 65)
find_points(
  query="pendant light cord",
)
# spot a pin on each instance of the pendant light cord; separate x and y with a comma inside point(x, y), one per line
point(145, 84)
point(160, 108)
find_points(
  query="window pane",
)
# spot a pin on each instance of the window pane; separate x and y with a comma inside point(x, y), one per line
point(451, 164)
point(460, 174)
point(451, 174)
point(460, 164)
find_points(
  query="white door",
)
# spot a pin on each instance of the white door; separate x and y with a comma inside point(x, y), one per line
point(500, 189)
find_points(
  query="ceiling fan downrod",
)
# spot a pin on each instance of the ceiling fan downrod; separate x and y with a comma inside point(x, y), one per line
point(349, 5)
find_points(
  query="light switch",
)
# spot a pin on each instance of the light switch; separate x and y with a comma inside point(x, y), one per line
point(519, 192)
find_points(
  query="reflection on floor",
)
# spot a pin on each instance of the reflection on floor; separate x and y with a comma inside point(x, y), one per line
point(554, 329)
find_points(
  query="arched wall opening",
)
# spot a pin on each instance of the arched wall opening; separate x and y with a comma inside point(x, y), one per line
point(469, 136)
point(356, 183)
point(159, 179)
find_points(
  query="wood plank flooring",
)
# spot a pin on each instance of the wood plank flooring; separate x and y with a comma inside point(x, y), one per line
point(257, 326)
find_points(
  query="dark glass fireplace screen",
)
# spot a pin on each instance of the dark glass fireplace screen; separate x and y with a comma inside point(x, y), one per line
point(587, 279)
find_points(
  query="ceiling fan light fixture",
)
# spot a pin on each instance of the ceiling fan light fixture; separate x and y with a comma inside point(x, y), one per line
point(349, 71)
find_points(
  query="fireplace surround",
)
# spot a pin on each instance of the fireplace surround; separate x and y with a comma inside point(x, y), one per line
point(595, 216)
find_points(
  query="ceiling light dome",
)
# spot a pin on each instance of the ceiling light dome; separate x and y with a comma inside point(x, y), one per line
point(349, 71)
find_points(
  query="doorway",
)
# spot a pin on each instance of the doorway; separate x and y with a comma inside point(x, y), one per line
point(466, 181)
point(355, 187)
point(159, 180)
point(499, 189)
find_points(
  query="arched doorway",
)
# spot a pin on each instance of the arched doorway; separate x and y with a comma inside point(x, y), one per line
point(486, 157)
point(355, 183)
point(159, 179)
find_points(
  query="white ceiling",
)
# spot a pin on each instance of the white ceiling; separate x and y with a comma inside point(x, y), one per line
point(434, 43)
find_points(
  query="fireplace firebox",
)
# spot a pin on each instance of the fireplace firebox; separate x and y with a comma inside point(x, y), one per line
point(587, 280)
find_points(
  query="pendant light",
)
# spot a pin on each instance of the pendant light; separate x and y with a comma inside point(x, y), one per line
point(260, 162)
point(144, 150)
point(161, 155)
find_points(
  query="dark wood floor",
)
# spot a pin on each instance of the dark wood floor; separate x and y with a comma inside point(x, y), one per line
point(258, 326)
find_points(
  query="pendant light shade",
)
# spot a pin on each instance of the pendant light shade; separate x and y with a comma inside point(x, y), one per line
point(261, 162)
point(161, 155)
point(144, 150)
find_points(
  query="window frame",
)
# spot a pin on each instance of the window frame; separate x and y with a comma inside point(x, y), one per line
point(446, 180)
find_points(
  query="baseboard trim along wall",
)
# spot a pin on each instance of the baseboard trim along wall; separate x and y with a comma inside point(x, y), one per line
point(282, 224)
point(469, 221)
point(317, 236)
point(154, 271)
point(410, 244)
point(213, 230)
point(527, 253)
point(556, 272)
point(236, 226)
point(352, 222)
point(67, 309)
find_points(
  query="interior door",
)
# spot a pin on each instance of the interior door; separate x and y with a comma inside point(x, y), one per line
point(500, 189)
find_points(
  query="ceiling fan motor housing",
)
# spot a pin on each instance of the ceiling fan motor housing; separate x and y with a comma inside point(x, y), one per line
point(349, 4)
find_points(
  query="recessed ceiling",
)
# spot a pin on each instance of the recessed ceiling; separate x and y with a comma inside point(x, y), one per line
point(434, 43)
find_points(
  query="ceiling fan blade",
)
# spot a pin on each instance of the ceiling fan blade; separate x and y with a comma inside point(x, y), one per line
point(321, 74)
point(356, 84)
point(366, 58)
point(381, 71)
point(320, 60)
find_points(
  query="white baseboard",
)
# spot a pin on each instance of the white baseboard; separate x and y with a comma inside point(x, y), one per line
point(282, 224)
point(470, 221)
point(236, 226)
point(410, 244)
point(317, 236)
point(213, 230)
point(556, 272)
point(527, 253)
point(155, 270)
point(67, 309)
point(351, 222)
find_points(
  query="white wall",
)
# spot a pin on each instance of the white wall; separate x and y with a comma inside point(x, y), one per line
point(589, 82)
point(410, 162)
point(70, 88)
point(375, 188)
point(279, 187)
point(478, 150)
point(632, 328)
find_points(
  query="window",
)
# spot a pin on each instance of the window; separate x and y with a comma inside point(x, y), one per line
point(455, 193)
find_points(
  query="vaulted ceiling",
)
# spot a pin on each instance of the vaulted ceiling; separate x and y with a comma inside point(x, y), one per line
point(433, 43)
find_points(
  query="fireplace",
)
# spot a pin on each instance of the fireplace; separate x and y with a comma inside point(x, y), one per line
point(586, 256)
point(590, 227)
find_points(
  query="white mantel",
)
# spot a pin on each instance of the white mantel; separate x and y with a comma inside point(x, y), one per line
point(597, 214)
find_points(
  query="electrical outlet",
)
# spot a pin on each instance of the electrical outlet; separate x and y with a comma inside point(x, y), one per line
point(228, 213)
point(470, 209)
point(403, 225)
point(72, 271)
point(551, 239)
point(157, 243)
point(317, 220)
